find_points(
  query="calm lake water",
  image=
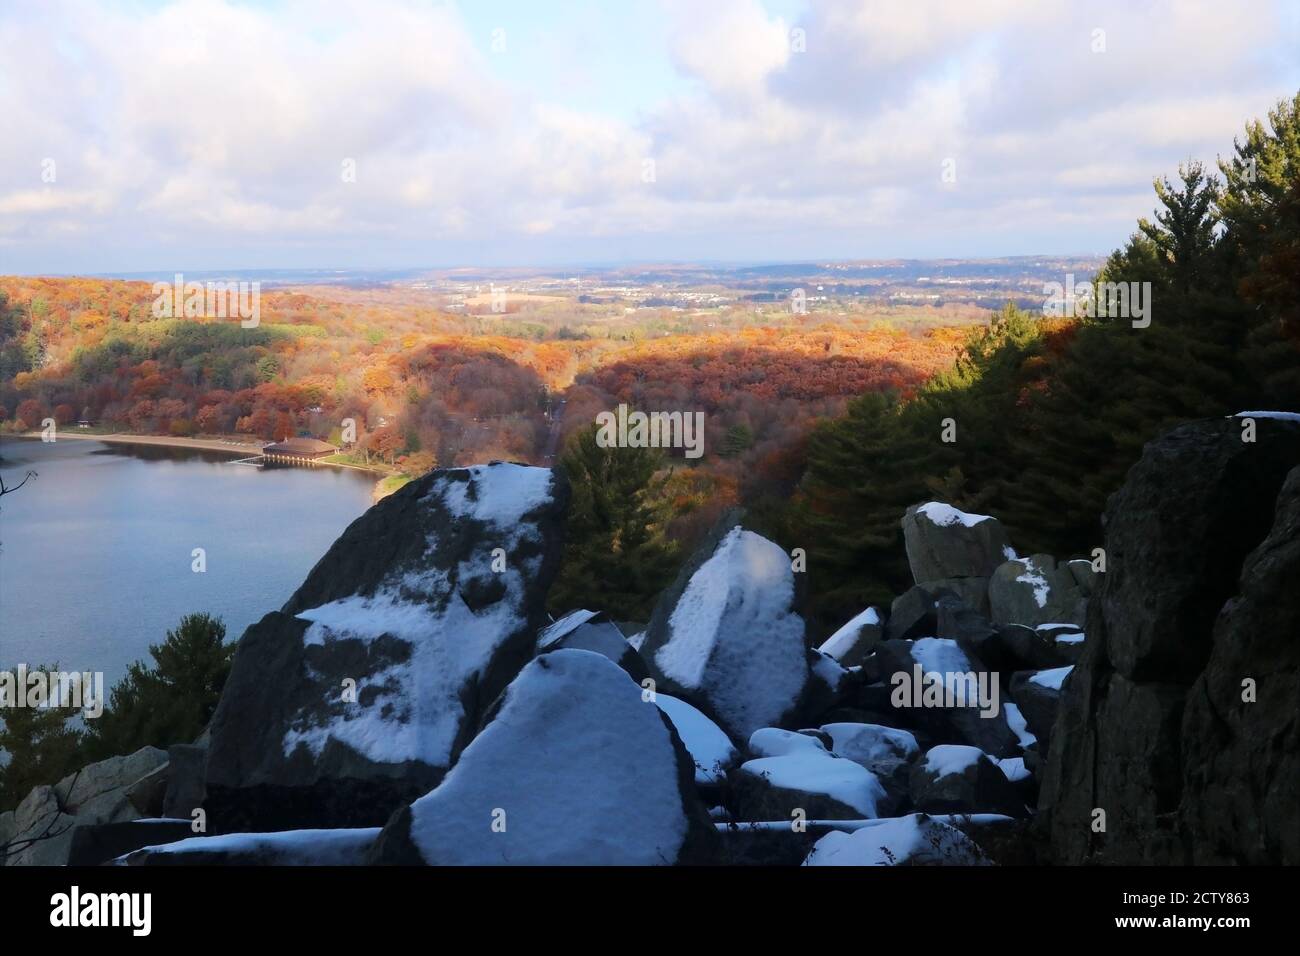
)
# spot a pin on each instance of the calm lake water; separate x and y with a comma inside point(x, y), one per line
point(95, 553)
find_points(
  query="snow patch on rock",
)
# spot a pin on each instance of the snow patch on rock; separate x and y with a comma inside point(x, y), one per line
point(575, 765)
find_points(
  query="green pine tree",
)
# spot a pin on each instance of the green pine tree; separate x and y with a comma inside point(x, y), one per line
point(616, 556)
point(172, 701)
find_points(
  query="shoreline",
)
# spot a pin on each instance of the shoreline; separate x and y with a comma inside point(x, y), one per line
point(243, 449)
point(234, 449)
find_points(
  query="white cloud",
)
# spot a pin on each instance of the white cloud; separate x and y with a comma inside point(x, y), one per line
point(210, 125)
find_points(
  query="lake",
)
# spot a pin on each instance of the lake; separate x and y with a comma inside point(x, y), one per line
point(96, 552)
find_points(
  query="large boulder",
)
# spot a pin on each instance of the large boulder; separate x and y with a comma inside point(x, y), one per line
point(1199, 595)
point(943, 542)
point(99, 793)
point(914, 840)
point(576, 767)
point(886, 751)
point(1035, 590)
point(958, 779)
point(795, 772)
point(41, 831)
point(711, 750)
point(727, 638)
point(882, 750)
point(357, 696)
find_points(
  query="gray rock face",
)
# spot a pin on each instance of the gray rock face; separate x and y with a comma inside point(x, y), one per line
point(958, 620)
point(1035, 590)
point(187, 771)
point(957, 779)
point(42, 831)
point(1039, 702)
point(43, 824)
point(973, 592)
point(911, 615)
point(727, 636)
point(943, 542)
point(1199, 594)
point(1241, 759)
point(355, 697)
point(574, 767)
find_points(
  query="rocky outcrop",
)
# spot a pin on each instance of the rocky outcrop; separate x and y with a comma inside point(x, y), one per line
point(42, 825)
point(727, 638)
point(1156, 755)
point(356, 696)
point(943, 542)
point(575, 767)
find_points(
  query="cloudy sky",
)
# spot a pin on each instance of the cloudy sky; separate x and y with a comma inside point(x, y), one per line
point(216, 134)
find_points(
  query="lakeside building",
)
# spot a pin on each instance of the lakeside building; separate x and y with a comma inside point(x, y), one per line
point(298, 449)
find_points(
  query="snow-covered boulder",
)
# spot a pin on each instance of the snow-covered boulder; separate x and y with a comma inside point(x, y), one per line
point(943, 543)
point(285, 848)
point(711, 750)
point(915, 840)
point(357, 696)
point(850, 645)
point(952, 778)
point(593, 631)
point(1036, 590)
point(726, 636)
point(574, 768)
point(794, 771)
point(882, 750)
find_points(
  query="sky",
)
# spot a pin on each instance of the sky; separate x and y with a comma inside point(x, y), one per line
point(225, 135)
